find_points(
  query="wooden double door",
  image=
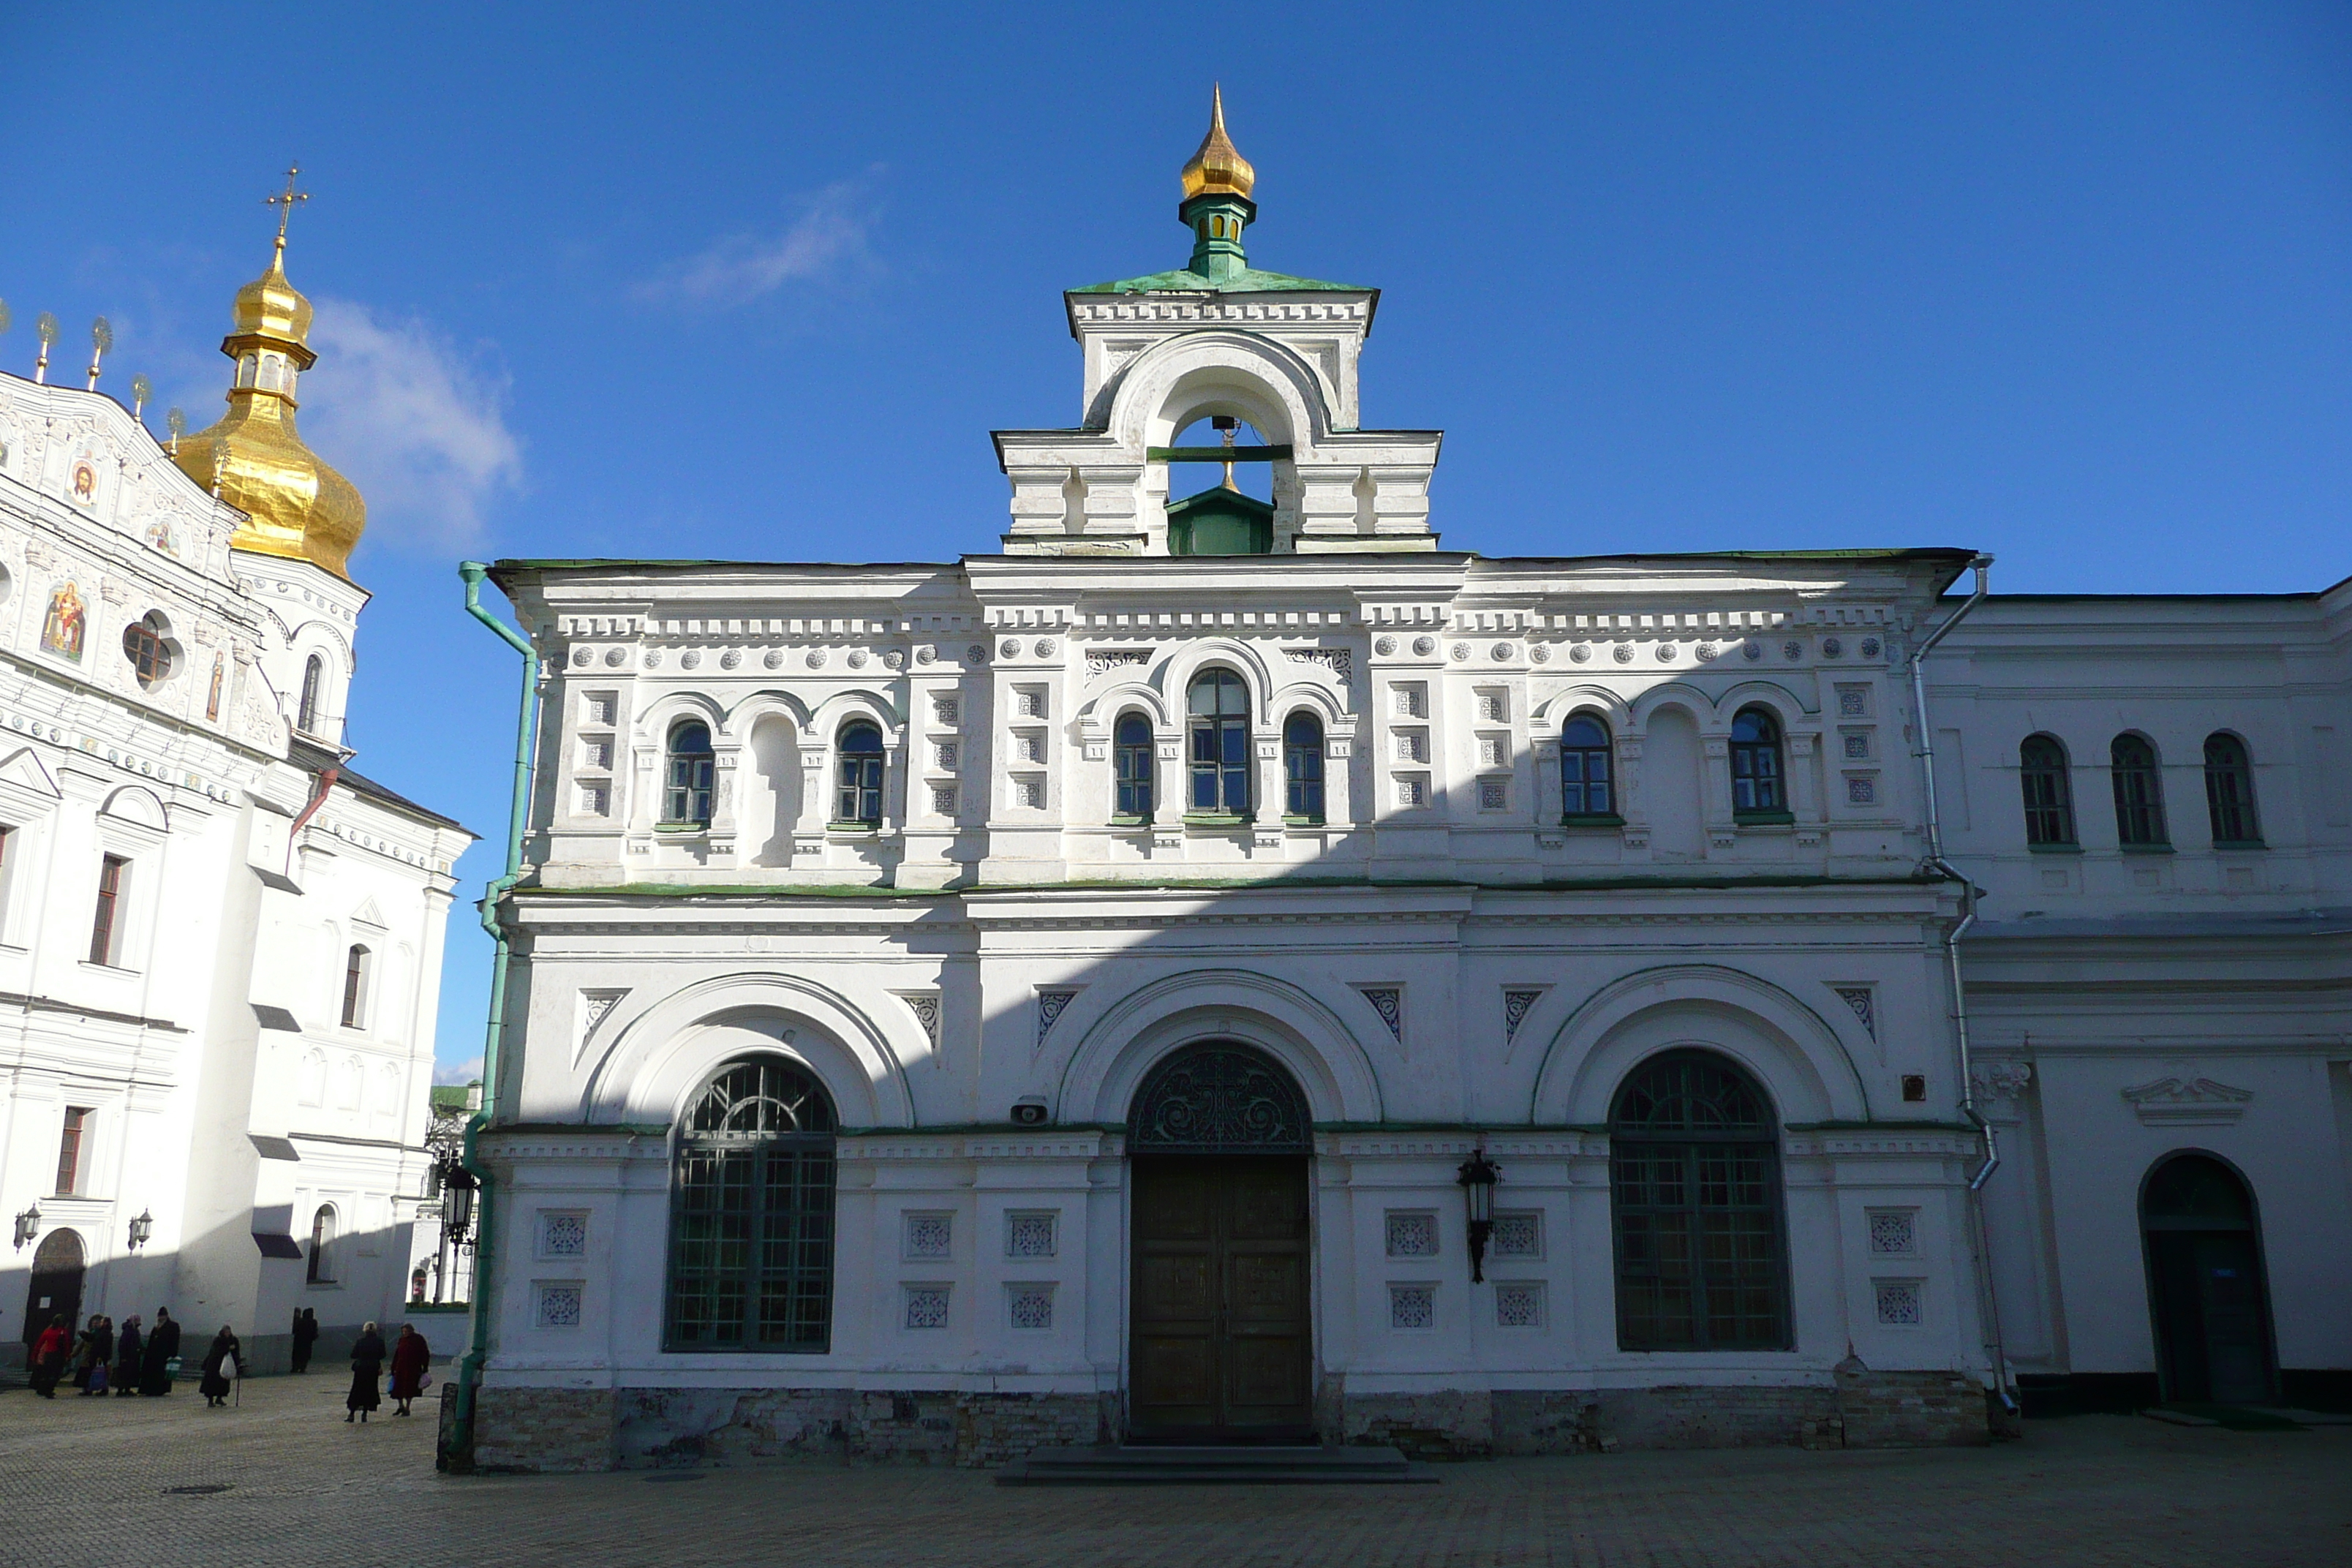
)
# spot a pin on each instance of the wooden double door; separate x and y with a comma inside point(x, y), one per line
point(1220, 1349)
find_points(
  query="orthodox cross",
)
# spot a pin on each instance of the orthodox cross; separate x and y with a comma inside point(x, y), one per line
point(285, 204)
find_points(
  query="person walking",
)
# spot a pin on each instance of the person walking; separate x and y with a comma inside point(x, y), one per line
point(49, 1356)
point(126, 1350)
point(367, 1364)
point(305, 1335)
point(223, 1355)
point(85, 1352)
point(155, 1361)
point(97, 1354)
point(410, 1356)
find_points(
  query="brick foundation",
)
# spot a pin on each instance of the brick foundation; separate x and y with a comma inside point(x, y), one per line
point(564, 1429)
point(556, 1429)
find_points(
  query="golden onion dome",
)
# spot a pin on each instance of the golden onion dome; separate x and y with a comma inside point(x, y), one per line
point(295, 505)
point(1218, 169)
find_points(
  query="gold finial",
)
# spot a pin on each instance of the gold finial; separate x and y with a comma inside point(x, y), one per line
point(1218, 169)
point(285, 204)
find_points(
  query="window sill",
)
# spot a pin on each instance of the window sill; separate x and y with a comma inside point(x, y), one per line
point(1216, 819)
point(1129, 824)
point(1591, 819)
point(2145, 848)
point(117, 968)
point(853, 829)
point(2053, 849)
point(1290, 821)
point(2240, 846)
point(1763, 819)
point(682, 829)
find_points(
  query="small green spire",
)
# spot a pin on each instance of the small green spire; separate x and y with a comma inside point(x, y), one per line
point(1217, 222)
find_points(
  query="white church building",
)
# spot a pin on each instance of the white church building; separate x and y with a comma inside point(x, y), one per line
point(1223, 968)
point(220, 944)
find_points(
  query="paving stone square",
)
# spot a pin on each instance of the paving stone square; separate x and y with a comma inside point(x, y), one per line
point(92, 1481)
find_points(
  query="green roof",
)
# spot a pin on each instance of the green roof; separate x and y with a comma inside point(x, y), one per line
point(1248, 281)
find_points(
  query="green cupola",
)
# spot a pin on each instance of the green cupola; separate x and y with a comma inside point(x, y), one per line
point(1217, 206)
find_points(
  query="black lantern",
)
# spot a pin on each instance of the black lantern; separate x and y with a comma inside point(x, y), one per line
point(457, 1202)
point(29, 1226)
point(142, 1229)
point(1477, 1178)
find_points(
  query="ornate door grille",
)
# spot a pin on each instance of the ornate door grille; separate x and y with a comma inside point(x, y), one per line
point(1220, 1099)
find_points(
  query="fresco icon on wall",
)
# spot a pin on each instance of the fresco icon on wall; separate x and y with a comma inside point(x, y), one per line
point(159, 535)
point(85, 482)
point(62, 628)
point(211, 697)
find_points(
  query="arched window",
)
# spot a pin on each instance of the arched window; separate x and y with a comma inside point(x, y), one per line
point(687, 802)
point(149, 654)
point(1219, 709)
point(860, 798)
point(751, 1228)
point(2048, 798)
point(2139, 792)
point(1302, 766)
point(323, 1246)
point(314, 678)
point(1132, 743)
point(1587, 781)
point(2229, 790)
point(356, 964)
point(1694, 1189)
point(1758, 787)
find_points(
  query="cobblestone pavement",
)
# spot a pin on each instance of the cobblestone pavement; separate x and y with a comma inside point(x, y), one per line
point(86, 1481)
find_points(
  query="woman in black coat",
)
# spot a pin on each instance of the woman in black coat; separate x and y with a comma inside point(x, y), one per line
point(127, 1349)
point(155, 1361)
point(306, 1334)
point(218, 1360)
point(367, 1365)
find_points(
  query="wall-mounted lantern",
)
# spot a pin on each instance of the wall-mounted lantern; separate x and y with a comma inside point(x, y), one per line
point(29, 1226)
point(457, 1202)
point(1477, 1178)
point(142, 1229)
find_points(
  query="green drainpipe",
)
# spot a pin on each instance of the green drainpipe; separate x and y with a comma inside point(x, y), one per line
point(469, 1370)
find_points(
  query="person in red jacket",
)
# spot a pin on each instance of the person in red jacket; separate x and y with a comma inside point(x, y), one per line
point(49, 1357)
point(410, 1356)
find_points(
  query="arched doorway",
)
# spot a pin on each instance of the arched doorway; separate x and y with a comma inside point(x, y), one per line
point(2205, 1282)
point(56, 1286)
point(1218, 1139)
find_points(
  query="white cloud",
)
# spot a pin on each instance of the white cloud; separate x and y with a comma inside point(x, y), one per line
point(463, 1072)
point(416, 422)
point(827, 241)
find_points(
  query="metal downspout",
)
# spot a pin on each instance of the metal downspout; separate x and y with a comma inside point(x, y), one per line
point(1936, 861)
point(469, 1370)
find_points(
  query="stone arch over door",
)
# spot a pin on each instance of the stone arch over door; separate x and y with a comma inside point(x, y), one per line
point(1123, 1042)
point(2208, 1300)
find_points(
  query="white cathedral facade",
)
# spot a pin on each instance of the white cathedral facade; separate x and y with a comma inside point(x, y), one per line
point(220, 944)
point(1223, 968)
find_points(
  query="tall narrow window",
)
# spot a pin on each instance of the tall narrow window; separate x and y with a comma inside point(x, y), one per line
point(314, 679)
point(1757, 775)
point(1587, 781)
point(105, 926)
point(1133, 744)
point(322, 1269)
point(1219, 707)
point(69, 1149)
point(2139, 792)
point(2048, 798)
point(2229, 790)
point(355, 986)
point(751, 1227)
point(687, 801)
point(860, 802)
point(1302, 766)
point(1695, 1186)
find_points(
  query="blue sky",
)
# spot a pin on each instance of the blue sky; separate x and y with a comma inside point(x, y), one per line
point(2070, 283)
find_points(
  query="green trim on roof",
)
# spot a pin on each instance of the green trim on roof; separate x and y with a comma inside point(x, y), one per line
point(1248, 281)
